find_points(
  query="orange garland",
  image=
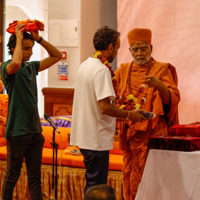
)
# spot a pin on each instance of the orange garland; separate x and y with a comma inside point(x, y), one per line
point(130, 101)
point(99, 55)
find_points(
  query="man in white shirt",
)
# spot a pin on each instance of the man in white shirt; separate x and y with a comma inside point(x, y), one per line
point(94, 114)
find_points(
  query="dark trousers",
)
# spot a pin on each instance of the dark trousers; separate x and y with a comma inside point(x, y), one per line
point(96, 163)
point(28, 147)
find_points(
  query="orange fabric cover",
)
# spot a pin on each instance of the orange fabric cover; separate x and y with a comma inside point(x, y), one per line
point(71, 183)
point(115, 163)
point(116, 159)
point(3, 111)
point(2, 141)
point(3, 153)
point(48, 134)
point(2, 130)
point(116, 149)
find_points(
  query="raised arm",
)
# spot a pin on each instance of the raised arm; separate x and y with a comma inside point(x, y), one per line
point(54, 54)
point(17, 56)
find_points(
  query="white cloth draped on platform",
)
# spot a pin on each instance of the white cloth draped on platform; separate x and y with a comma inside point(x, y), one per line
point(170, 175)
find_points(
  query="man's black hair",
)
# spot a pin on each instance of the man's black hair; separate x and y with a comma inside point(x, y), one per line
point(104, 37)
point(12, 41)
point(100, 192)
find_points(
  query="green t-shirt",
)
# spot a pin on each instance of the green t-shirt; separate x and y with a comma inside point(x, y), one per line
point(21, 87)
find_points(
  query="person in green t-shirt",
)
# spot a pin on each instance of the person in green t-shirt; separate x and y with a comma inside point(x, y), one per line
point(23, 128)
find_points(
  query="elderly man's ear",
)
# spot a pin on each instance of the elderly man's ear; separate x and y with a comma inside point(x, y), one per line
point(151, 46)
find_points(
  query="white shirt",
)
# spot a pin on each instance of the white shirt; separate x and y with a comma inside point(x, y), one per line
point(90, 128)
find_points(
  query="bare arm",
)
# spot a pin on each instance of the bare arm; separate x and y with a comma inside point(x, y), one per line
point(54, 54)
point(17, 56)
point(109, 109)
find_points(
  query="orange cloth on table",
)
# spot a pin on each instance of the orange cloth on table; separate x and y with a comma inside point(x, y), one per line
point(3, 112)
point(134, 136)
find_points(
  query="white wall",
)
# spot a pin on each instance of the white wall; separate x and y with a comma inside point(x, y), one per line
point(65, 9)
point(95, 14)
point(92, 14)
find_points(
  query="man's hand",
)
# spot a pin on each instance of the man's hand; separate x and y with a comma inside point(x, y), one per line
point(152, 81)
point(35, 35)
point(19, 29)
point(136, 116)
point(17, 56)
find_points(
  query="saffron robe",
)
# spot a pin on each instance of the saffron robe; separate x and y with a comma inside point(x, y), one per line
point(134, 136)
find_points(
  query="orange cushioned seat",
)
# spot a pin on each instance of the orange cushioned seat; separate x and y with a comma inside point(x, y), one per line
point(67, 159)
point(116, 158)
point(3, 153)
point(3, 111)
point(48, 134)
point(116, 149)
point(3, 141)
point(116, 161)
